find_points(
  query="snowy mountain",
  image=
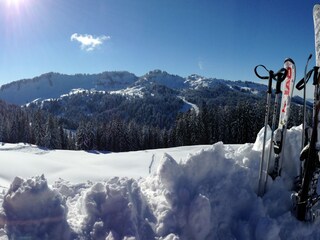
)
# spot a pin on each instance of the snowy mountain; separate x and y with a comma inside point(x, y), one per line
point(195, 81)
point(54, 85)
point(162, 78)
point(196, 192)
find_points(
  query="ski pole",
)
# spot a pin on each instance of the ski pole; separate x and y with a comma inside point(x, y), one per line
point(270, 77)
point(302, 84)
point(279, 77)
point(269, 92)
point(310, 162)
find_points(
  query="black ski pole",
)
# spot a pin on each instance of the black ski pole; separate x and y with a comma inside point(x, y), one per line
point(310, 162)
point(304, 103)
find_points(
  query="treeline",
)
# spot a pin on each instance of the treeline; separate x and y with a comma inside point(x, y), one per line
point(34, 127)
point(231, 124)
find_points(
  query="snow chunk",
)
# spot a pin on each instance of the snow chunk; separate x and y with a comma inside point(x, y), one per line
point(34, 210)
point(169, 172)
point(171, 236)
point(116, 210)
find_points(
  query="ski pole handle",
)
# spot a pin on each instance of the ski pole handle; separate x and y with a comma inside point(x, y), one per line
point(302, 83)
point(269, 77)
point(280, 76)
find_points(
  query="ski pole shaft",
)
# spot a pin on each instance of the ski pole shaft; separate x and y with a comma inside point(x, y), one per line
point(262, 174)
point(261, 184)
point(274, 117)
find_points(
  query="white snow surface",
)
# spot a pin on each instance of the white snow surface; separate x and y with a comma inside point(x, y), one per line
point(188, 105)
point(196, 192)
point(136, 91)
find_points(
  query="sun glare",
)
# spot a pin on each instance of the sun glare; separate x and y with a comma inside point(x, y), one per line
point(14, 2)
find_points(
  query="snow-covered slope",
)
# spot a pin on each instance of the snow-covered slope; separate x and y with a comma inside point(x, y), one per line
point(162, 78)
point(195, 81)
point(208, 194)
point(53, 85)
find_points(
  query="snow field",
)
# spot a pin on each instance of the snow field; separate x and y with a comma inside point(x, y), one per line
point(210, 194)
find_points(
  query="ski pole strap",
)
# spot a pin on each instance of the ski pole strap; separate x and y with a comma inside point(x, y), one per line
point(278, 76)
point(269, 77)
point(301, 84)
point(258, 75)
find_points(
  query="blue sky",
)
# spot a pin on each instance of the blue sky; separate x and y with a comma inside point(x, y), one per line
point(213, 38)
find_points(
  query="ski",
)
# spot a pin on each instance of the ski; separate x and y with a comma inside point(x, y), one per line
point(307, 193)
point(280, 133)
point(265, 159)
point(306, 131)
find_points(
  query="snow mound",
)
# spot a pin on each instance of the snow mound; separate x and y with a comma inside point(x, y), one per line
point(34, 211)
point(200, 198)
point(209, 195)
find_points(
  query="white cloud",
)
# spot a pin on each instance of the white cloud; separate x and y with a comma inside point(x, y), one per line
point(89, 42)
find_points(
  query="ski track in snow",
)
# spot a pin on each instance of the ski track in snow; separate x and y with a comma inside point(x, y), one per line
point(190, 105)
point(208, 194)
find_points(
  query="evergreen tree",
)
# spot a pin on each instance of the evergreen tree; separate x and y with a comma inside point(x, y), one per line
point(63, 138)
point(38, 128)
point(203, 126)
point(52, 137)
point(82, 142)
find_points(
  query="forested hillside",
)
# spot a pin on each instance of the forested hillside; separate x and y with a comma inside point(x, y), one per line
point(229, 123)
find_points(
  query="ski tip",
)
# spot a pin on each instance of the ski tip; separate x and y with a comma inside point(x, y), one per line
point(310, 56)
point(316, 7)
point(289, 60)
